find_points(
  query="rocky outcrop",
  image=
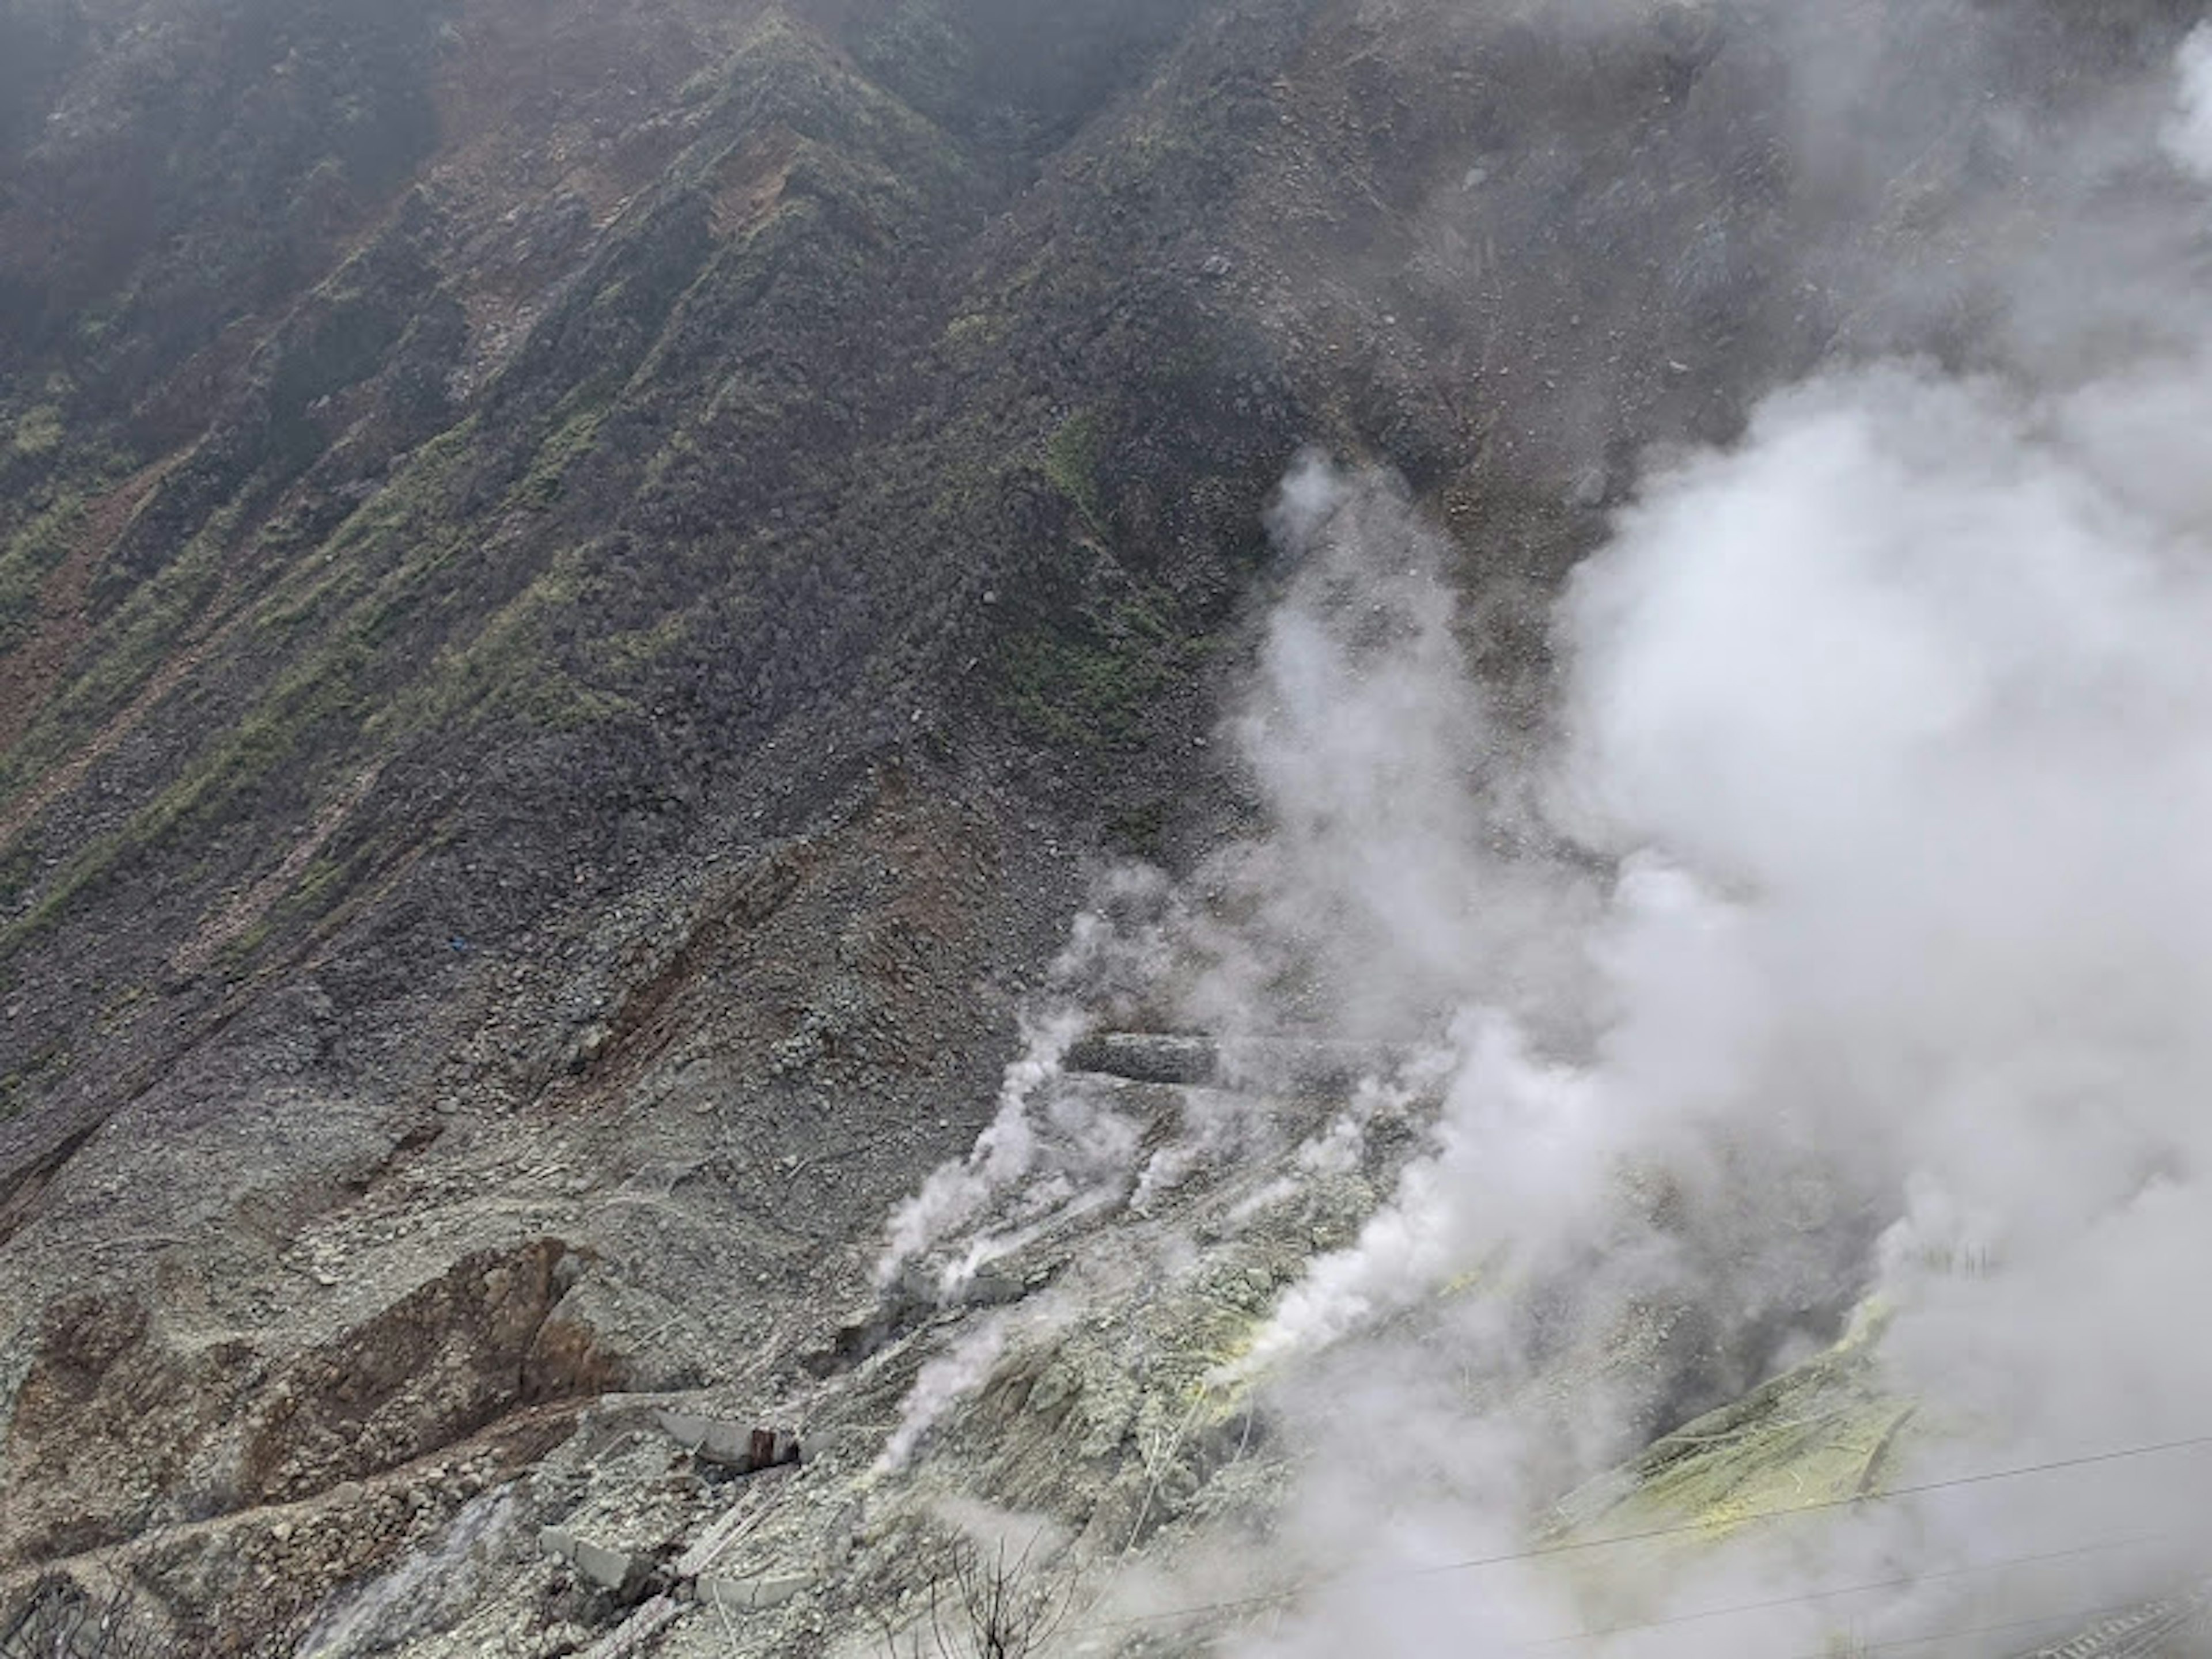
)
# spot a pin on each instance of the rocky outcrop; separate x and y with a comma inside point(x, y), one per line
point(119, 1425)
point(110, 1427)
point(431, 1370)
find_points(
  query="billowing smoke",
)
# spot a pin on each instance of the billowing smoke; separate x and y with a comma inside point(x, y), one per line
point(1398, 861)
point(1896, 726)
point(1892, 723)
point(1005, 1153)
point(1835, 967)
point(950, 1376)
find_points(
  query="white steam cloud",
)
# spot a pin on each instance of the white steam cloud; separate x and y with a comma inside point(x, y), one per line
point(1846, 946)
point(943, 1381)
point(1390, 803)
point(1005, 1153)
point(1052, 1144)
point(1893, 721)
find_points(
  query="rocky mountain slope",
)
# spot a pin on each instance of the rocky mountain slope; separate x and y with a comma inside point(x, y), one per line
point(586, 589)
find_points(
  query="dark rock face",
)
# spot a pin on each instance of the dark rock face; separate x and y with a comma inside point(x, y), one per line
point(427, 1372)
point(582, 583)
point(118, 1423)
point(104, 1424)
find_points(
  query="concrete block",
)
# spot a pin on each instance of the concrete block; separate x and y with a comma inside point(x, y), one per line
point(616, 1572)
point(754, 1595)
point(728, 1445)
point(611, 1569)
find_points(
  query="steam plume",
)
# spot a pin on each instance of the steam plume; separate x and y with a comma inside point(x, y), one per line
point(1841, 958)
point(1893, 724)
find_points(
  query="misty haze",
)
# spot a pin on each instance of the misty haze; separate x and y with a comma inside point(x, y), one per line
point(1006, 829)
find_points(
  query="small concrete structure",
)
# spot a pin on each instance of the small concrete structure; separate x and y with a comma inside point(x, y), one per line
point(616, 1572)
point(754, 1594)
point(727, 1445)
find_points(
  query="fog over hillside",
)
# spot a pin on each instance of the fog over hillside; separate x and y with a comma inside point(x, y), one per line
point(1312, 826)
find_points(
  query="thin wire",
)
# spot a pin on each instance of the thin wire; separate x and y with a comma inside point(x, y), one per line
point(1905, 1581)
point(1680, 1529)
point(1576, 1545)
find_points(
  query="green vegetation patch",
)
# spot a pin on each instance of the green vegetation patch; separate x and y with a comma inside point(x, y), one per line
point(123, 653)
point(1097, 691)
point(29, 558)
point(1072, 459)
point(506, 670)
point(38, 431)
point(571, 443)
point(304, 702)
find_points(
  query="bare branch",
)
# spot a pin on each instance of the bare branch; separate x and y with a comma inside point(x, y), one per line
point(60, 1619)
point(987, 1606)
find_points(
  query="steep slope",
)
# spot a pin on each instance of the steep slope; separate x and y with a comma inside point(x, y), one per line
point(582, 588)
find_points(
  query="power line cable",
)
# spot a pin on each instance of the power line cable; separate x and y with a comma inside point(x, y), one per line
point(1903, 1582)
point(1574, 1546)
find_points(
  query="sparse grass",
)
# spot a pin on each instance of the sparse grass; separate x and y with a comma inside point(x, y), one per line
point(29, 557)
point(571, 443)
point(115, 1013)
point(504, 669)
point(38, 431)
point(123, 654)
point(626, 653)
point(1072, 455)
point(322, 880)
point(1096, 691)
point(19, 867)
point(319, 692)
point(392, 541)
point(1138, 829)
point(975, 334)
point(20, 1087)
